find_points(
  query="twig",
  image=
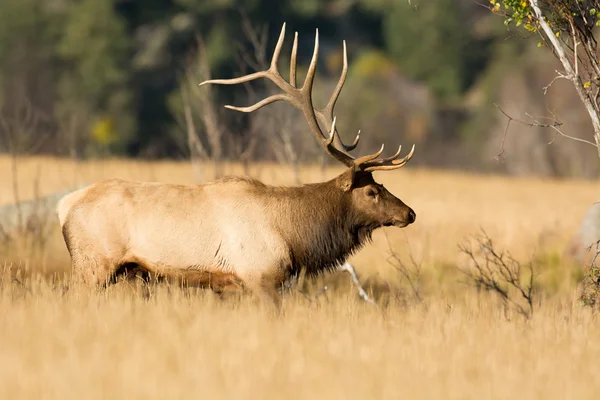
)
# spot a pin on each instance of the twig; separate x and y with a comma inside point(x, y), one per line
point(589, 248)
point(412, 276)
point(559, 75)
point(554, 125)
point(316, 296)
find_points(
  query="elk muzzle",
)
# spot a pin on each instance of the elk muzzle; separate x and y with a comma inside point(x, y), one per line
point(403, 218)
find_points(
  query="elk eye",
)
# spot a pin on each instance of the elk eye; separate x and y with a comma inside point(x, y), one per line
point(371, 192)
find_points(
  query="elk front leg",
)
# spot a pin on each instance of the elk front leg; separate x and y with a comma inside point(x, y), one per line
point(266, 290)
point(361, 291)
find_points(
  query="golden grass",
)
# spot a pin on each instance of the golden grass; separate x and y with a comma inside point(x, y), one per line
point(459, 344)
point(115, 345)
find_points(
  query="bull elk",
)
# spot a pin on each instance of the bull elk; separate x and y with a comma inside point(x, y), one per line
point(236, 231)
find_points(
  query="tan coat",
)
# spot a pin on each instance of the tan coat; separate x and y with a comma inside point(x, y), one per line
point(232, 232)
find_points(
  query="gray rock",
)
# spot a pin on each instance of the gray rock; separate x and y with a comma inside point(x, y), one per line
point(588, 235)
point(31, 210)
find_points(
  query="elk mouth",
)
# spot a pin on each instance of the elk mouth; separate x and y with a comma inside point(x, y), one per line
point(397, 223)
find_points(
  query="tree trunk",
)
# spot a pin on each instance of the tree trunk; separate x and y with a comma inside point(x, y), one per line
point(571, 72)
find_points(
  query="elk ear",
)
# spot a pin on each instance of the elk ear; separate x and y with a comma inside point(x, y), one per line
point(346, 180)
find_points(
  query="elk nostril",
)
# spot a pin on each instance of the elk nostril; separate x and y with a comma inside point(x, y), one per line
point(411, 216)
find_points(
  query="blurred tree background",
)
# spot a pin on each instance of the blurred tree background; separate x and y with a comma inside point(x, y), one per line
point(119, 78)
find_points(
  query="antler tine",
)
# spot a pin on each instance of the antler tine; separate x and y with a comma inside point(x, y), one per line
point(391, 158)
point(272, 73)
point(332, 133)
point(293, 60)
point(264, 102)
point(325, 115)
point(275, 59)
point(312, 68)
point(333, 150)
point(338, 89)
point(301, 98)
point(359, 162)
point(352, 146)
point(333, 142)
point(389, 163)
point(233, 81)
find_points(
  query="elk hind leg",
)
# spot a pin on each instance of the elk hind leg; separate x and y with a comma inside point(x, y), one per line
point(92, 271)
point(90, 265)
point(132, 271)
point(138, 271)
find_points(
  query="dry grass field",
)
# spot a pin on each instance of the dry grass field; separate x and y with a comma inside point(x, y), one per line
point(457, 343)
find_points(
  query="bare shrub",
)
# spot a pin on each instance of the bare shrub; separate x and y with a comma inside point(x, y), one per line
point(197, 108)
point(25, 227)
point(410, 270)
point(497, 271)
point(590, 295)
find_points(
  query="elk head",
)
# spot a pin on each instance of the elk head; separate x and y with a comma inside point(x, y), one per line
point(372, 203)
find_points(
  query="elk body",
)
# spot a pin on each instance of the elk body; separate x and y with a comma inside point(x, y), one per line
point(236, 232)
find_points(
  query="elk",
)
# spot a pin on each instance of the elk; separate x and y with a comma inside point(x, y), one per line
point(237, 232)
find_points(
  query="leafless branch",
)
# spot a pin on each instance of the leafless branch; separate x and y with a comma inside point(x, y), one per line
point(199, 109)
point(554, 124)
point(559, 75)
point(26, 222)
point(411, 273)
point(500, 273)
point(314, 298)
point(21, 131)
point(197, 151)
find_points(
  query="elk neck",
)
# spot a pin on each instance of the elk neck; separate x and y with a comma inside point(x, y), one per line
point(319, 224)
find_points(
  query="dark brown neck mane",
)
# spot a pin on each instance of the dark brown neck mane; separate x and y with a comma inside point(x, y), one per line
point(319, 224)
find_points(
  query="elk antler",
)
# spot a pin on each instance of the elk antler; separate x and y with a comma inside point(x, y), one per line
point(301, 98)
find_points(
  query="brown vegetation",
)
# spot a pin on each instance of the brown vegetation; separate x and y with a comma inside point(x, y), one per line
point(176, 345)
point(457, 343)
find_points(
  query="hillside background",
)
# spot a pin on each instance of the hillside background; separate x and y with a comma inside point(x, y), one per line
point(99, 78)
